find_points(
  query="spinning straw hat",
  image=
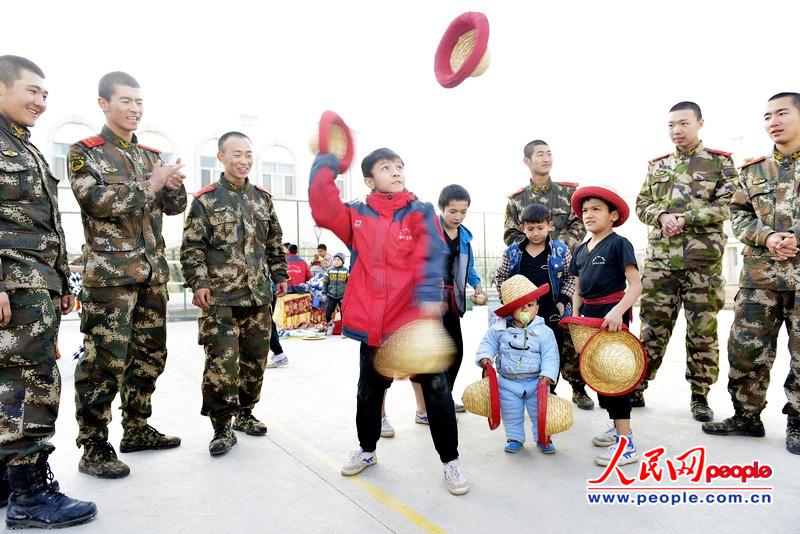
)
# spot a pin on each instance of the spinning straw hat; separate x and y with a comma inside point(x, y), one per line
point(463, 51)
point(417, 348)
point(483, 397)
point(613, 363)
point(518, 291)
point(334, 137)
point(606, 194)
point(555, 414)
point(582, 328)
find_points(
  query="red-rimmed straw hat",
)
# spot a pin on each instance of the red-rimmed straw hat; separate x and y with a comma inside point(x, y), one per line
point(334, 137)
point(518, 291)
point(613, 363)
point(582, 328)
point(600, 192)
point(554, 413)
point(483, 397)
point(463, 50)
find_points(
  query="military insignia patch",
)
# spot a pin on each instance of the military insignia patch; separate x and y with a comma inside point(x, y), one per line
point(123, 143)
point(76, 163)
point(661, 172)
point(10, 153)
point(111, 169)
point(16, 130)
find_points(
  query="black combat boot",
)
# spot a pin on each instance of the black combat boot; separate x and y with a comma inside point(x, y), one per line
point(34, 503)
point(224, 438)
point(701, 411)
point(581, 399)
point(741, 424)
point(4, 489)
point(793, 435)
point(247, 423)
point(637, 399)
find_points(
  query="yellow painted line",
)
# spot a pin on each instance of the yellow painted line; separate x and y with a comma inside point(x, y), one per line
point(380, 495)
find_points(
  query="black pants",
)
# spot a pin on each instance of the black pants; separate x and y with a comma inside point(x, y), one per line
point(452, 323)
point(439, 403)
point(274, 340)
point(330, 307)
point(618, 407)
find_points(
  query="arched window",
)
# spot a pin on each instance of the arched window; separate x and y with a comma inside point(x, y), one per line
point(277, 171)
point(66, 134)
point(208, 164)
point(160, 142)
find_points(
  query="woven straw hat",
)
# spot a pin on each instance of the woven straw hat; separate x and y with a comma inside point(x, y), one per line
point(483, 397)
point(417, 348)
point(554, 414)
point(613, 363)
point(518, 291)
point(334, 137)
point(478, 299)
point(582, 328)
point(463, 50)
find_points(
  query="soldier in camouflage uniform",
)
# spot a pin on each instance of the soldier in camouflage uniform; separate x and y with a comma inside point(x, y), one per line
point(231, 250)
point(685, 199)
point(33, 290)
point(567, 228)
point(123, 189)
point(766, 219)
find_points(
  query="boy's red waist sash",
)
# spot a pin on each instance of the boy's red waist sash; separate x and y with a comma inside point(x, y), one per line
point(611, 298)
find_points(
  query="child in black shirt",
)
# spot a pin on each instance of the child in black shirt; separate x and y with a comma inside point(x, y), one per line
point(603, 267)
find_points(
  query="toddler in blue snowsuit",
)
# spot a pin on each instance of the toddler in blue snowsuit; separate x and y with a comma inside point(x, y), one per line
point(525, 352)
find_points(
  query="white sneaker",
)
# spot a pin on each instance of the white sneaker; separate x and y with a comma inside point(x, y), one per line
point(386, 428)
point(629, 456)
point(278, 360)
point(420, 418)
point(329, 329)
point(359, 460)
point(456, 483)
point(607, 437)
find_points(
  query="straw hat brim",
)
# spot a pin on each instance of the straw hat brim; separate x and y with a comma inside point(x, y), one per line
point(582, 328)
point(507, 309)
point(554, 413)
point(462, 24)
point(420, 347)
point(328, 120)
point(613, 363)
point(606, 194)
point(483, 397)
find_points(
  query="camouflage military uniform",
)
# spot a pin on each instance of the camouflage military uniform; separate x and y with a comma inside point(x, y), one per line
point(34, 271)
point(232, 246)
point(765, 201)
point(124, 280)
point(685, 268)
point(557, 196)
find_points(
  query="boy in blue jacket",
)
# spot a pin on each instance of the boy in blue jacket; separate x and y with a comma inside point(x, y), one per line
point(525, 352)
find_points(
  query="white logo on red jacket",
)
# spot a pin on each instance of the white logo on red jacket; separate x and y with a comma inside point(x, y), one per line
point(405, 235)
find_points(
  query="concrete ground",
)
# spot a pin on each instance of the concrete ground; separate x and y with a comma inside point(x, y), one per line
point(289, 481)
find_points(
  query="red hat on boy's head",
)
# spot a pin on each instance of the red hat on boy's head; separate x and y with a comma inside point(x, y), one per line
point(462, 52)
point(517, 291)
point(600, 192)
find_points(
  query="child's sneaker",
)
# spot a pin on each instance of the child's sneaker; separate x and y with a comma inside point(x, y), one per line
point(386, 428)
point(607, 437)
point(421, 418)
point(359, 460)
point(278, 360)
point(629, 456)
point(456, 483)
point(512, 446)
point(550, 448)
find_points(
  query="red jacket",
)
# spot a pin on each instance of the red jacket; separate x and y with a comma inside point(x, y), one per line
point(397, 254)
point(299, 273)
